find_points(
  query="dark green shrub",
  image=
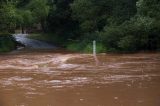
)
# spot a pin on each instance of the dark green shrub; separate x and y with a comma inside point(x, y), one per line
point(111, 36)
point(145, 31)
point(7, 43)
point(127, 43)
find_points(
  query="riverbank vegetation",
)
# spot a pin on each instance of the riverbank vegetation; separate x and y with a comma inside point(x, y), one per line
point(7, 43)
point(116, 25)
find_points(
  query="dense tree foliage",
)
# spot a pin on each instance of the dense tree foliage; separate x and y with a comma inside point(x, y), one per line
point(94, 15)
point(117, 25)
point(40, 10)
point(60, 21)
point(7, 16)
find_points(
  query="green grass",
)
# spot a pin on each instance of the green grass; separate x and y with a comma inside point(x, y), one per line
point(85, 47)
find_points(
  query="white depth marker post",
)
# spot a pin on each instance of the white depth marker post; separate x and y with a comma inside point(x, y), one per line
point(94, 53)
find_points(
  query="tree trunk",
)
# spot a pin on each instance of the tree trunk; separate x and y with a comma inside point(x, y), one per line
point(43, 26)
point(22, 30)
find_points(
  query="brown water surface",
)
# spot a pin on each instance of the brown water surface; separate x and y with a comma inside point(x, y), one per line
point(70, 79)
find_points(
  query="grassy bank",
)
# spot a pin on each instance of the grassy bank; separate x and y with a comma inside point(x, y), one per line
point(84, 46)
point(7, 43)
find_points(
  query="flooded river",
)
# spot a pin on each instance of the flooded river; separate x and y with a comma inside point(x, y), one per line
point(68, 79)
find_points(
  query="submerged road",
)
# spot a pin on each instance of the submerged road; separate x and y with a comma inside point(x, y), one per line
point(65, 79)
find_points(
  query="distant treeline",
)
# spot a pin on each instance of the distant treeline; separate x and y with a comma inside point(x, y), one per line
point(116, 25)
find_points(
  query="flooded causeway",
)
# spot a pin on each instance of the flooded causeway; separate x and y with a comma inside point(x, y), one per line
point(65, 79)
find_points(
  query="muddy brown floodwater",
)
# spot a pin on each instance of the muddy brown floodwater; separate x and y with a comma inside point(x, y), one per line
point(66, 79)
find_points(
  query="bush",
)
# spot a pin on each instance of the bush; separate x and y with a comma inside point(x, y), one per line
point(7, 43)
point(146, 32)
point(110, 37)
point(154, 36)
point(140, 33)
point(127, 43)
